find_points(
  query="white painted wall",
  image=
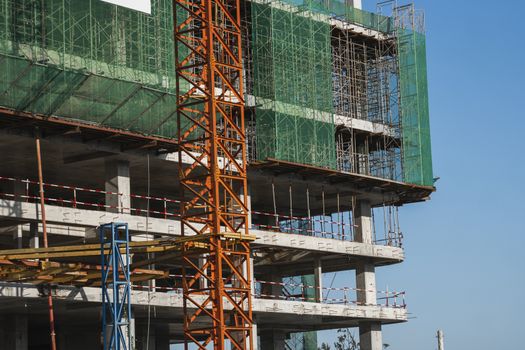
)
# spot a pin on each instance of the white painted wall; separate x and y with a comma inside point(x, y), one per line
point(139, 5)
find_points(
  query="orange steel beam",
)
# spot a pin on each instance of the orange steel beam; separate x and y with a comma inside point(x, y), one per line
point(217, 299)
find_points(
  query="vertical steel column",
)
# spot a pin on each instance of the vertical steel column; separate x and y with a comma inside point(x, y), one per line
point(212, 170)
point(116, 305)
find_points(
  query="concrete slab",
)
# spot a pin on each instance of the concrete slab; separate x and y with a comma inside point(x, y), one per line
point(30, 212)
point(295, 314)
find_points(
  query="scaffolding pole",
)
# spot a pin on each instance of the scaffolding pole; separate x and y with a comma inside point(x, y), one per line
point(44, 230)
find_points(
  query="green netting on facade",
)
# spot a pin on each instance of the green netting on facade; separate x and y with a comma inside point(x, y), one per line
point(340, 9)
point(417, 155)
point(292, 85)
point(89, 60)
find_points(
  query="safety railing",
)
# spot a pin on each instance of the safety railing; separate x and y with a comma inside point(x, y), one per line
point(338, 226)
point(330, 295)
point(302, 292)
point(319, 226)
point(26, 190)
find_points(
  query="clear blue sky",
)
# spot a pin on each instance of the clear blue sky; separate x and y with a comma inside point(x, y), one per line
point(465, 266)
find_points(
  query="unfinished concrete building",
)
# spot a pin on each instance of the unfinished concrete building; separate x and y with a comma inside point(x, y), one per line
point(338, 139)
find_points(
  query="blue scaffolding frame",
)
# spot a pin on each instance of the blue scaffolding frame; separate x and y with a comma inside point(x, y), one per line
point(116, 286)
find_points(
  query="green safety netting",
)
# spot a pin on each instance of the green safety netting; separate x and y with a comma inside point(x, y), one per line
point(292, 85)
point(340, 9)
point(91, 61)
point(107, 65)
point(414, 110)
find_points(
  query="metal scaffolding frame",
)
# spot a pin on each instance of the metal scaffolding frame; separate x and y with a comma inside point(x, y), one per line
point(116, 286)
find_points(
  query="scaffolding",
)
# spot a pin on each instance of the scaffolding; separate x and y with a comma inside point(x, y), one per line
point(380, 81)
point(365, 88)
point(292, 84)
point(411, 42)
point(90, 61)
point(309, 76)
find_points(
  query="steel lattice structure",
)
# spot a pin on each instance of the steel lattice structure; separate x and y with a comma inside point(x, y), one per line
point(217, 284)
point(116, 304)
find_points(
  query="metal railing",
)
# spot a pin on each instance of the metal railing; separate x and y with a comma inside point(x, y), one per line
point(338, 226)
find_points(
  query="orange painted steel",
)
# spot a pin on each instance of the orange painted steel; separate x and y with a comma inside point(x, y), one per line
point(212, 170)
point(51, 311)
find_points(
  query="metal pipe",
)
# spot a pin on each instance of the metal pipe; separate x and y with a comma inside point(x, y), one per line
point(44, 231)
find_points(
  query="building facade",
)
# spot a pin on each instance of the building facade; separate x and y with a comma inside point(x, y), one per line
point(337, 123)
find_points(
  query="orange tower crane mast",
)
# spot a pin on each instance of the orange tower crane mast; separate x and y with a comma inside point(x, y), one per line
point(212, 170)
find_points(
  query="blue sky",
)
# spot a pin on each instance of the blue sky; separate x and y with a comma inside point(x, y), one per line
point(465, 266)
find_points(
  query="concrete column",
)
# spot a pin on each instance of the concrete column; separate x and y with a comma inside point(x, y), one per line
point(248, 201)
point(203, 281)
point(34, 241)
point(318, 275)
point(366, 284)
point(252, 274)
point(118, 181)
point(273, 340)
point(363, 222)
point(20, 334)
point(255, 335)
point(19, 190)
point(370, 336)
point(18, 236)
point(365, 270)
point(132, 331)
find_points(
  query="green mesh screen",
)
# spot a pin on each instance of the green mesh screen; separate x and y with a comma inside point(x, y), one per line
point(417, 155)
point(292, 85)
point(340, 9)
point(91, 61)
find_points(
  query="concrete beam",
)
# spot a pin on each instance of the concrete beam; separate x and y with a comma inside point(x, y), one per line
point(91, 218)
point(278, 310)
